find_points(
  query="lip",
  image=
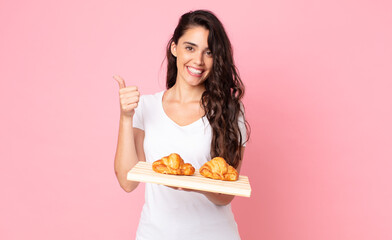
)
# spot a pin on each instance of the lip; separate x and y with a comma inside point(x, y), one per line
point(201, 69)
point(194, 74)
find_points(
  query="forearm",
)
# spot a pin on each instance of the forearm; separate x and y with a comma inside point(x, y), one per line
point(126, 156)
point(219, 198)
point(224, 199)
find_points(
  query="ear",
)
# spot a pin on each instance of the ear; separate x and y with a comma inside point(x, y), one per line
point(173, 49)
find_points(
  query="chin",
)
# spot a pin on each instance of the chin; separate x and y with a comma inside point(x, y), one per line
point(196, 84)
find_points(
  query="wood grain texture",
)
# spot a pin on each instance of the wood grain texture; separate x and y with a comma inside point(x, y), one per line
point(142, 172)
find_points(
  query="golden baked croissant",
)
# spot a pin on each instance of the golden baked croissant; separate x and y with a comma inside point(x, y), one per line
point(217, 168)
point(173, 164)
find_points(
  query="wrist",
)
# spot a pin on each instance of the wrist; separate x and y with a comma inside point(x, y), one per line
point(126, 118)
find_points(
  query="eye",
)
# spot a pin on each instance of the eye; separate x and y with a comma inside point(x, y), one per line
point(189, 48)
point(209, 53)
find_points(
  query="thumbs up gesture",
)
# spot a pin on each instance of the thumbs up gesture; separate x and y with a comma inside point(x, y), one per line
point(129, 97)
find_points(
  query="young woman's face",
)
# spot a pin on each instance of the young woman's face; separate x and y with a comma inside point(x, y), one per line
point(194, 59)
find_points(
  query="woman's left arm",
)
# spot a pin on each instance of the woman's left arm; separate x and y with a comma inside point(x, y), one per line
point(219, 198)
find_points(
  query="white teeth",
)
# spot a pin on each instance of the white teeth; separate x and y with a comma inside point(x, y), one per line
point(195, 71)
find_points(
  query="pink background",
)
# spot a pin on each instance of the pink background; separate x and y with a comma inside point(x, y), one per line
point(319, 82)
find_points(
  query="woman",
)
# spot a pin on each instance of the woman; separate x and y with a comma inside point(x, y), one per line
point(199, 117)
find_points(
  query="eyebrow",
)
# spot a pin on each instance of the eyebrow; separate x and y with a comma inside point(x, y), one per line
point(190, 43)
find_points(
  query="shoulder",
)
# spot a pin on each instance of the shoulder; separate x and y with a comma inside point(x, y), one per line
point(151, 98)
point(150, 102)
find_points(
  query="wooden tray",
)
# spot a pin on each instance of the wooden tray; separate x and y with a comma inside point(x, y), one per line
point(142, 172)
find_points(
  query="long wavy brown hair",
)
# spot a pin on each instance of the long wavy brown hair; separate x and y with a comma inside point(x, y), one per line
point(224, 89)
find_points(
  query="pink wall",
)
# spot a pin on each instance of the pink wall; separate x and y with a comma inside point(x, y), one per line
point(319, 82)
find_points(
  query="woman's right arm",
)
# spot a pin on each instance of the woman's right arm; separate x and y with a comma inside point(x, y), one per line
point(130, 140)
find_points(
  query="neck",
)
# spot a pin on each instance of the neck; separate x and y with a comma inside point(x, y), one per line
point(186, 93)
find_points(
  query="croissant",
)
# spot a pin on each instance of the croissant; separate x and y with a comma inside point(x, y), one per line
point(173, 164)
point(217, 168)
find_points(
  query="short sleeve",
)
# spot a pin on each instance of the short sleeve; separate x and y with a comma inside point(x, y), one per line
point(138, 121)
point(242, 127)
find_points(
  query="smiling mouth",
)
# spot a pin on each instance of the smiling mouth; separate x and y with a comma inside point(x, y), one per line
point(194, 72)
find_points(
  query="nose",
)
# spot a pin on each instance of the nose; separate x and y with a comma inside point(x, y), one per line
point(199, 58)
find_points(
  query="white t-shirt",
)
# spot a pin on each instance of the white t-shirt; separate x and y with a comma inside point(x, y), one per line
point(170, 214)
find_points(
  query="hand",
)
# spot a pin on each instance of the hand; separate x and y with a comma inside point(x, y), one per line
point(217, 198)
point(186, 189)
point(129, 97)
